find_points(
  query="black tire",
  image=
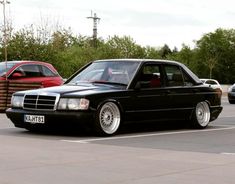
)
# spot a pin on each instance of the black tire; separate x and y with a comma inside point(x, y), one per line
point(201, 115)
point(108, 119)
point(231, 101)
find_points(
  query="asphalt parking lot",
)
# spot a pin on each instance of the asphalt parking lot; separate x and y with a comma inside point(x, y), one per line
point(162, 153)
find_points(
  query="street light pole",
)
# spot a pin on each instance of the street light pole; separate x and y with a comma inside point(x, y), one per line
point(4, 2)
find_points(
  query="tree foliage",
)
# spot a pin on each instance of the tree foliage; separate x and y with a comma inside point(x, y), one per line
point(216, 55)
point(212, 57)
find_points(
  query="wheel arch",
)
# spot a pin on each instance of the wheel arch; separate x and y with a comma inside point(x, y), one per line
point(98, 128)
point(114, 101)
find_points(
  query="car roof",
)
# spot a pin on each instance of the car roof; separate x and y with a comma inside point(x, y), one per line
point(140, 60)
point(160, 61)
point(29, 62)
point(24, 61)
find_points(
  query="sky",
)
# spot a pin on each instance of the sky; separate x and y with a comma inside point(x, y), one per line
point(149, 22)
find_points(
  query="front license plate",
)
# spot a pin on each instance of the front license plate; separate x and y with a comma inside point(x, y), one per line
point(34, 119)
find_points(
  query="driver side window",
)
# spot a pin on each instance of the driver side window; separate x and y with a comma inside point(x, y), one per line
point(28, 71)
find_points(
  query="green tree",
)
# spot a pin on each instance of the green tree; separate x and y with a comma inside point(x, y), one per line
point(216, 55)
point(186, 56)
point(125, 47)
point(152, 53)
point(213, 56)
point(165, 51)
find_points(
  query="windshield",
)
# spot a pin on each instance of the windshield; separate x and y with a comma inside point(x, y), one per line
point(3, 68)
point(113, 72)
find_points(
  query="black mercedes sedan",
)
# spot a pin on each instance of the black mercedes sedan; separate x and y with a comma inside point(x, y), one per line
point(106, 93)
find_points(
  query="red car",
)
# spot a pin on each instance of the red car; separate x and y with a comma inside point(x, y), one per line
point(31, 71)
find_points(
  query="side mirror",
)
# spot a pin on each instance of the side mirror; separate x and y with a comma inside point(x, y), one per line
point(3, 75)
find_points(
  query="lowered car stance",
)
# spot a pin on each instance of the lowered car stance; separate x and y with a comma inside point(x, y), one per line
point(107, 93)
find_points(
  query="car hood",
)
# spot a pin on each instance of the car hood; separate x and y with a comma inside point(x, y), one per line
point(76, 90)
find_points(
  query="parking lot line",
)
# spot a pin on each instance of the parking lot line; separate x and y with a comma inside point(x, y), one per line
point(226, 116)
point(6, 128)
point(85, 141)
point(226, 153)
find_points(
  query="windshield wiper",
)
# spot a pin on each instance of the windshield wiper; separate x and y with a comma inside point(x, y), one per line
point(108, 82)
point(75, 83)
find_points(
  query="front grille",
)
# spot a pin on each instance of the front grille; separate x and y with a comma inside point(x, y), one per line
point(40, 102)
point(233, 89)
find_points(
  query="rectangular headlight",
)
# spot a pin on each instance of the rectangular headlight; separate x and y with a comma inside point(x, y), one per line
point(17, 101)
point(73, 104)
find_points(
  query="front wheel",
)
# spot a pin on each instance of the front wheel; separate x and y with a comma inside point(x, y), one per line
point(201, 116)
point(108, 119)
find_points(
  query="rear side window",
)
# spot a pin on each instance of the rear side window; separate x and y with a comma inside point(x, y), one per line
point(187, 80)
point(174, 76)
point(47, 72)
point(177, 77)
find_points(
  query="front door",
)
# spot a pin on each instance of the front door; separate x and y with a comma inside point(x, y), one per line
point(150, 98)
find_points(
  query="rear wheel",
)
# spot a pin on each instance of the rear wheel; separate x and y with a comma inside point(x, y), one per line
point(108, 119)
point(201, 116)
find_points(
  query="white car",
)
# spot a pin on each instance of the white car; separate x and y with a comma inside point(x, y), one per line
point(212, 83)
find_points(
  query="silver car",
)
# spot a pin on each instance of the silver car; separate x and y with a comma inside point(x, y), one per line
point(231, 94)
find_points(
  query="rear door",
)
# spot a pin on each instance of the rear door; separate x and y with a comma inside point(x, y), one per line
point(183, 95)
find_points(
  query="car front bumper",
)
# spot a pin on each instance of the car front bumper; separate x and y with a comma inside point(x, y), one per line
point(52, 118)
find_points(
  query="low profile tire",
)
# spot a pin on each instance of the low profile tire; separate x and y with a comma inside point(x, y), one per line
point(108, 119)
point(231, 101)
point(201, 116)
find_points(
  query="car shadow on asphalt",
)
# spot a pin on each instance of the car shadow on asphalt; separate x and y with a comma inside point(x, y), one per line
point(149, 127)
point(125, 129)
